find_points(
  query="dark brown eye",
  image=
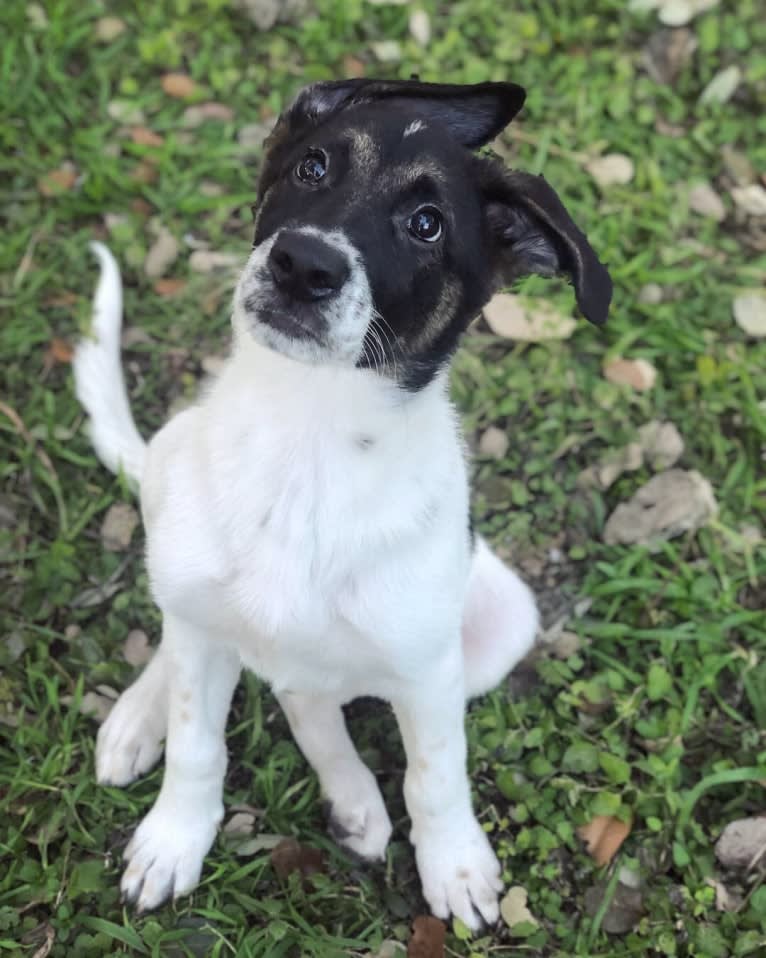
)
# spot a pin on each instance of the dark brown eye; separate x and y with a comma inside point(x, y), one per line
point(312, 168)
point(426, 224)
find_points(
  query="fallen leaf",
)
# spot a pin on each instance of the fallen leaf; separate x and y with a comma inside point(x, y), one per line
point(668, 505)
point(58, 181)
point(145, 172)
point(118, 527)
point(143, 136)
point(603, 836)
point(124, 111)
point(136, 649)
point(60, 351)
point(109, 28)
point(387, 51)
point(259, 843)
point(750, 312)
point(494, 443)
point(623, 912)
point(667, 52)
point(207, 261)
point(429, 935)
point(195, 116)
point(353, 67)
point(96, 706)
point(704, 201)
point(661, 443)
point(178, 85)
point(420, 27)
point(611, 466)
point(750, 199)
point(162, 253)
point(723, 86)
point(611, 169)
point(742, 843)
point(169, 287)
point(651, 294)
point(48, 941)
point(676, 13)
point(38, 20)
point(513, 908)
point(530, 321)
point(140, 206)
point(265, 13)
point(240, 825)
point(290, 856)
point(64, 298)
point(638, 373)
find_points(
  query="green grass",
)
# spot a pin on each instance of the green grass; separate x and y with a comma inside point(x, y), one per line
point(659, 717)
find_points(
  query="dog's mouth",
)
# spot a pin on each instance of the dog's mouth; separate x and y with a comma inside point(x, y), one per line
point(294, 320)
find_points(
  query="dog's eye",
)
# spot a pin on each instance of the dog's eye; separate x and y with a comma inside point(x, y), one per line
point(312, 167)
point(426, 224)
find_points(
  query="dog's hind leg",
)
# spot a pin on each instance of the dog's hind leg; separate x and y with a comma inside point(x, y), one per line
point(358, 818)
point(499, 621)
point(130, 741)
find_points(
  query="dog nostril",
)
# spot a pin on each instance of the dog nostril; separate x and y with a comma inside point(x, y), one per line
point(282, 260)
point(320, 279)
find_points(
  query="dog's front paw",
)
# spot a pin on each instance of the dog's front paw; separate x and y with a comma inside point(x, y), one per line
point(129, 742)
point(459, 872)
point(357, 817)
point(165, 856)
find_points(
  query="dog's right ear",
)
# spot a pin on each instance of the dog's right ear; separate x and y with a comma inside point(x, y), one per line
point(473, 113)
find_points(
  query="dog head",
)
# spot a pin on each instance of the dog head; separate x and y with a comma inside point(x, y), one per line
point(379, 234)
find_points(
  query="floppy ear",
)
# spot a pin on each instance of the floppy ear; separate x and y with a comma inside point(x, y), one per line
point(531, 232)
point(474, 114)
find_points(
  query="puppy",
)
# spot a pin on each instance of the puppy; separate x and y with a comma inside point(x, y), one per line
point(308, 518)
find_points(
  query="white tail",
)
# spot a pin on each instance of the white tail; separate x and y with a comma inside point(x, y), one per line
point(99, 382)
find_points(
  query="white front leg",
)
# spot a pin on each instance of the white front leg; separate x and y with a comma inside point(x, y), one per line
point(166, 853)
point(458, 869)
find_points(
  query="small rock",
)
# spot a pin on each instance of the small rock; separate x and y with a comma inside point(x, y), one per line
point(651, 294)
point(240, 825)
point(195, 116)
point(529, 321)
point(109, 28)
point(136, 649)
point(623, 912)
point(210, 188)
point(118, 527)
point(494, 443)
point(611, 169)
point(162, 254)
point(704, 200)
point(637, 373)
point(420, 27)
point(178, 85)
point(742, 842)
point(567, 644)
point(737, 165)
point(723, 86)
point(668, 505)
point(750, 199)
point(750, 312)
point(97, 706)
point(252, 135)
point(513, 908)
point(609, 469)
point(725, 899)
point(387, 51)
point(661, 443)
point(676, 13)
point(207, 261)
point(123, 111)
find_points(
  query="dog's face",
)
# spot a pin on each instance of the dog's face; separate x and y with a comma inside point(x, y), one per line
point(380, 235)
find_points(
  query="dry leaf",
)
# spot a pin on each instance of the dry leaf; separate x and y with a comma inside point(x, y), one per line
point(704, 200)
point(118, 527)
point(136, 649)
point(723, 86)
point(611, 169)
point(240, 825)
point(750, 312)
point(529, 321)
point(638, 373)
point(60, 351)
point(162, 253)
point(611, 466)
point(109, 28)
point(143, 136)
point(140, 206)
point(207, 261)
point(742, 843)
point(290, 856)
point(420, 27)
point(353, 67)
point(144, 172)
point(667, 52)
point(96, 706)
point(169, 287)
point(513, 908)
point(195, 116)
point(387, 51)
point(494, 443)
point(429, 936)
point(126, 112)
point(669, 505)
point(750, 199)
point(58, 181)
point(179, 85)
point(603, 836)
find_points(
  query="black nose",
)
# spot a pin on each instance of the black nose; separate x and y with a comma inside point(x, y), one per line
point(306, 267)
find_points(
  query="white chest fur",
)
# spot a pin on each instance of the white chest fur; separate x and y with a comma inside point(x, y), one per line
point(305, 514)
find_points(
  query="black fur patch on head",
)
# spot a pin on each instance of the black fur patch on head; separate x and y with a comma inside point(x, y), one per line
point(437, 228)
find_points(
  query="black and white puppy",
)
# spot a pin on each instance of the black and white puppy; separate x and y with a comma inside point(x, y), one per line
point(308, 518)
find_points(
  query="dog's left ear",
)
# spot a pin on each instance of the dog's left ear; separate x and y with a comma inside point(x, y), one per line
point(531, 232)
